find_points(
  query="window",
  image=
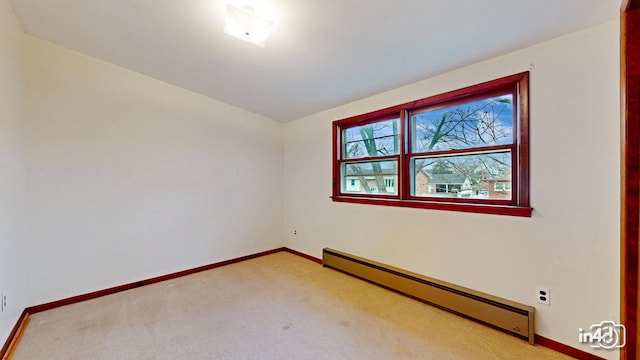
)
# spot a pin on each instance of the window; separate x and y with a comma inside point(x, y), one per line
point(465, 150)
point(390, 184)
point(502, 186)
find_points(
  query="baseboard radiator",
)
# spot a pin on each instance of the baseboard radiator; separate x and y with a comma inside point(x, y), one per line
point(512, 317)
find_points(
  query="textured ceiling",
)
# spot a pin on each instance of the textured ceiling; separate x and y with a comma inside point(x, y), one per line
point(321, 53)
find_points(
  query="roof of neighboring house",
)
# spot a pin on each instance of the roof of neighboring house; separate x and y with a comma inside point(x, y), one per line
point(448, 178)
point(498, 179)
point(366, 172)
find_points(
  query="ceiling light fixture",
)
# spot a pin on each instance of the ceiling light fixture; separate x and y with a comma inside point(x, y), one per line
point(244, 23)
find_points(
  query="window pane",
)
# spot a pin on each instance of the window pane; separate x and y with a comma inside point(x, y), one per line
point(479, 176)
point(377, 139)
point(477, 123)
point(374, 177)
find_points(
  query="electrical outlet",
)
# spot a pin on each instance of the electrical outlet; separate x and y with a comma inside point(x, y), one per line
point(295, 232)
point(543, 296)
point(3, 302)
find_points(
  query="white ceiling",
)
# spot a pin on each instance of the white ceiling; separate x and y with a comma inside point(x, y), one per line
point(322, 53)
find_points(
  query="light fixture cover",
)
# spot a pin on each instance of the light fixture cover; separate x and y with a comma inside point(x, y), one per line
point(245, 24)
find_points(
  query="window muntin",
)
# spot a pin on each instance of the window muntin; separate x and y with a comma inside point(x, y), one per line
point(472, 143)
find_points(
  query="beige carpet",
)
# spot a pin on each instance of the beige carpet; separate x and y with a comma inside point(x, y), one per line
point(278, 306)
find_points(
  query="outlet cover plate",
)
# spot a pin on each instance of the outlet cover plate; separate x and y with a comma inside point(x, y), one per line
point(543, 296)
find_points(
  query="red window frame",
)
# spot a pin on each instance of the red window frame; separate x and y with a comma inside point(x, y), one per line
point(517, 85)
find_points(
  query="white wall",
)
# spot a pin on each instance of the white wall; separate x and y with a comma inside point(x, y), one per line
point(12, 249)
point(130, 177)
point(571, 244)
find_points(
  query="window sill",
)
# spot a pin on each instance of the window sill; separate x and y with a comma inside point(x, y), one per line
point(510, 210)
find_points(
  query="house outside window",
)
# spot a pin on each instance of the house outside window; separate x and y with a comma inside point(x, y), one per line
point(466, 150)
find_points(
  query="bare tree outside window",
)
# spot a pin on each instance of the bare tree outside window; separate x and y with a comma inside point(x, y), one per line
point(371, 141)
point(478, 124)
point(481, 123)
point(464, 150)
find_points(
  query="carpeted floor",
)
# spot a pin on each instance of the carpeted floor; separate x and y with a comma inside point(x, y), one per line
point(279, 306)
